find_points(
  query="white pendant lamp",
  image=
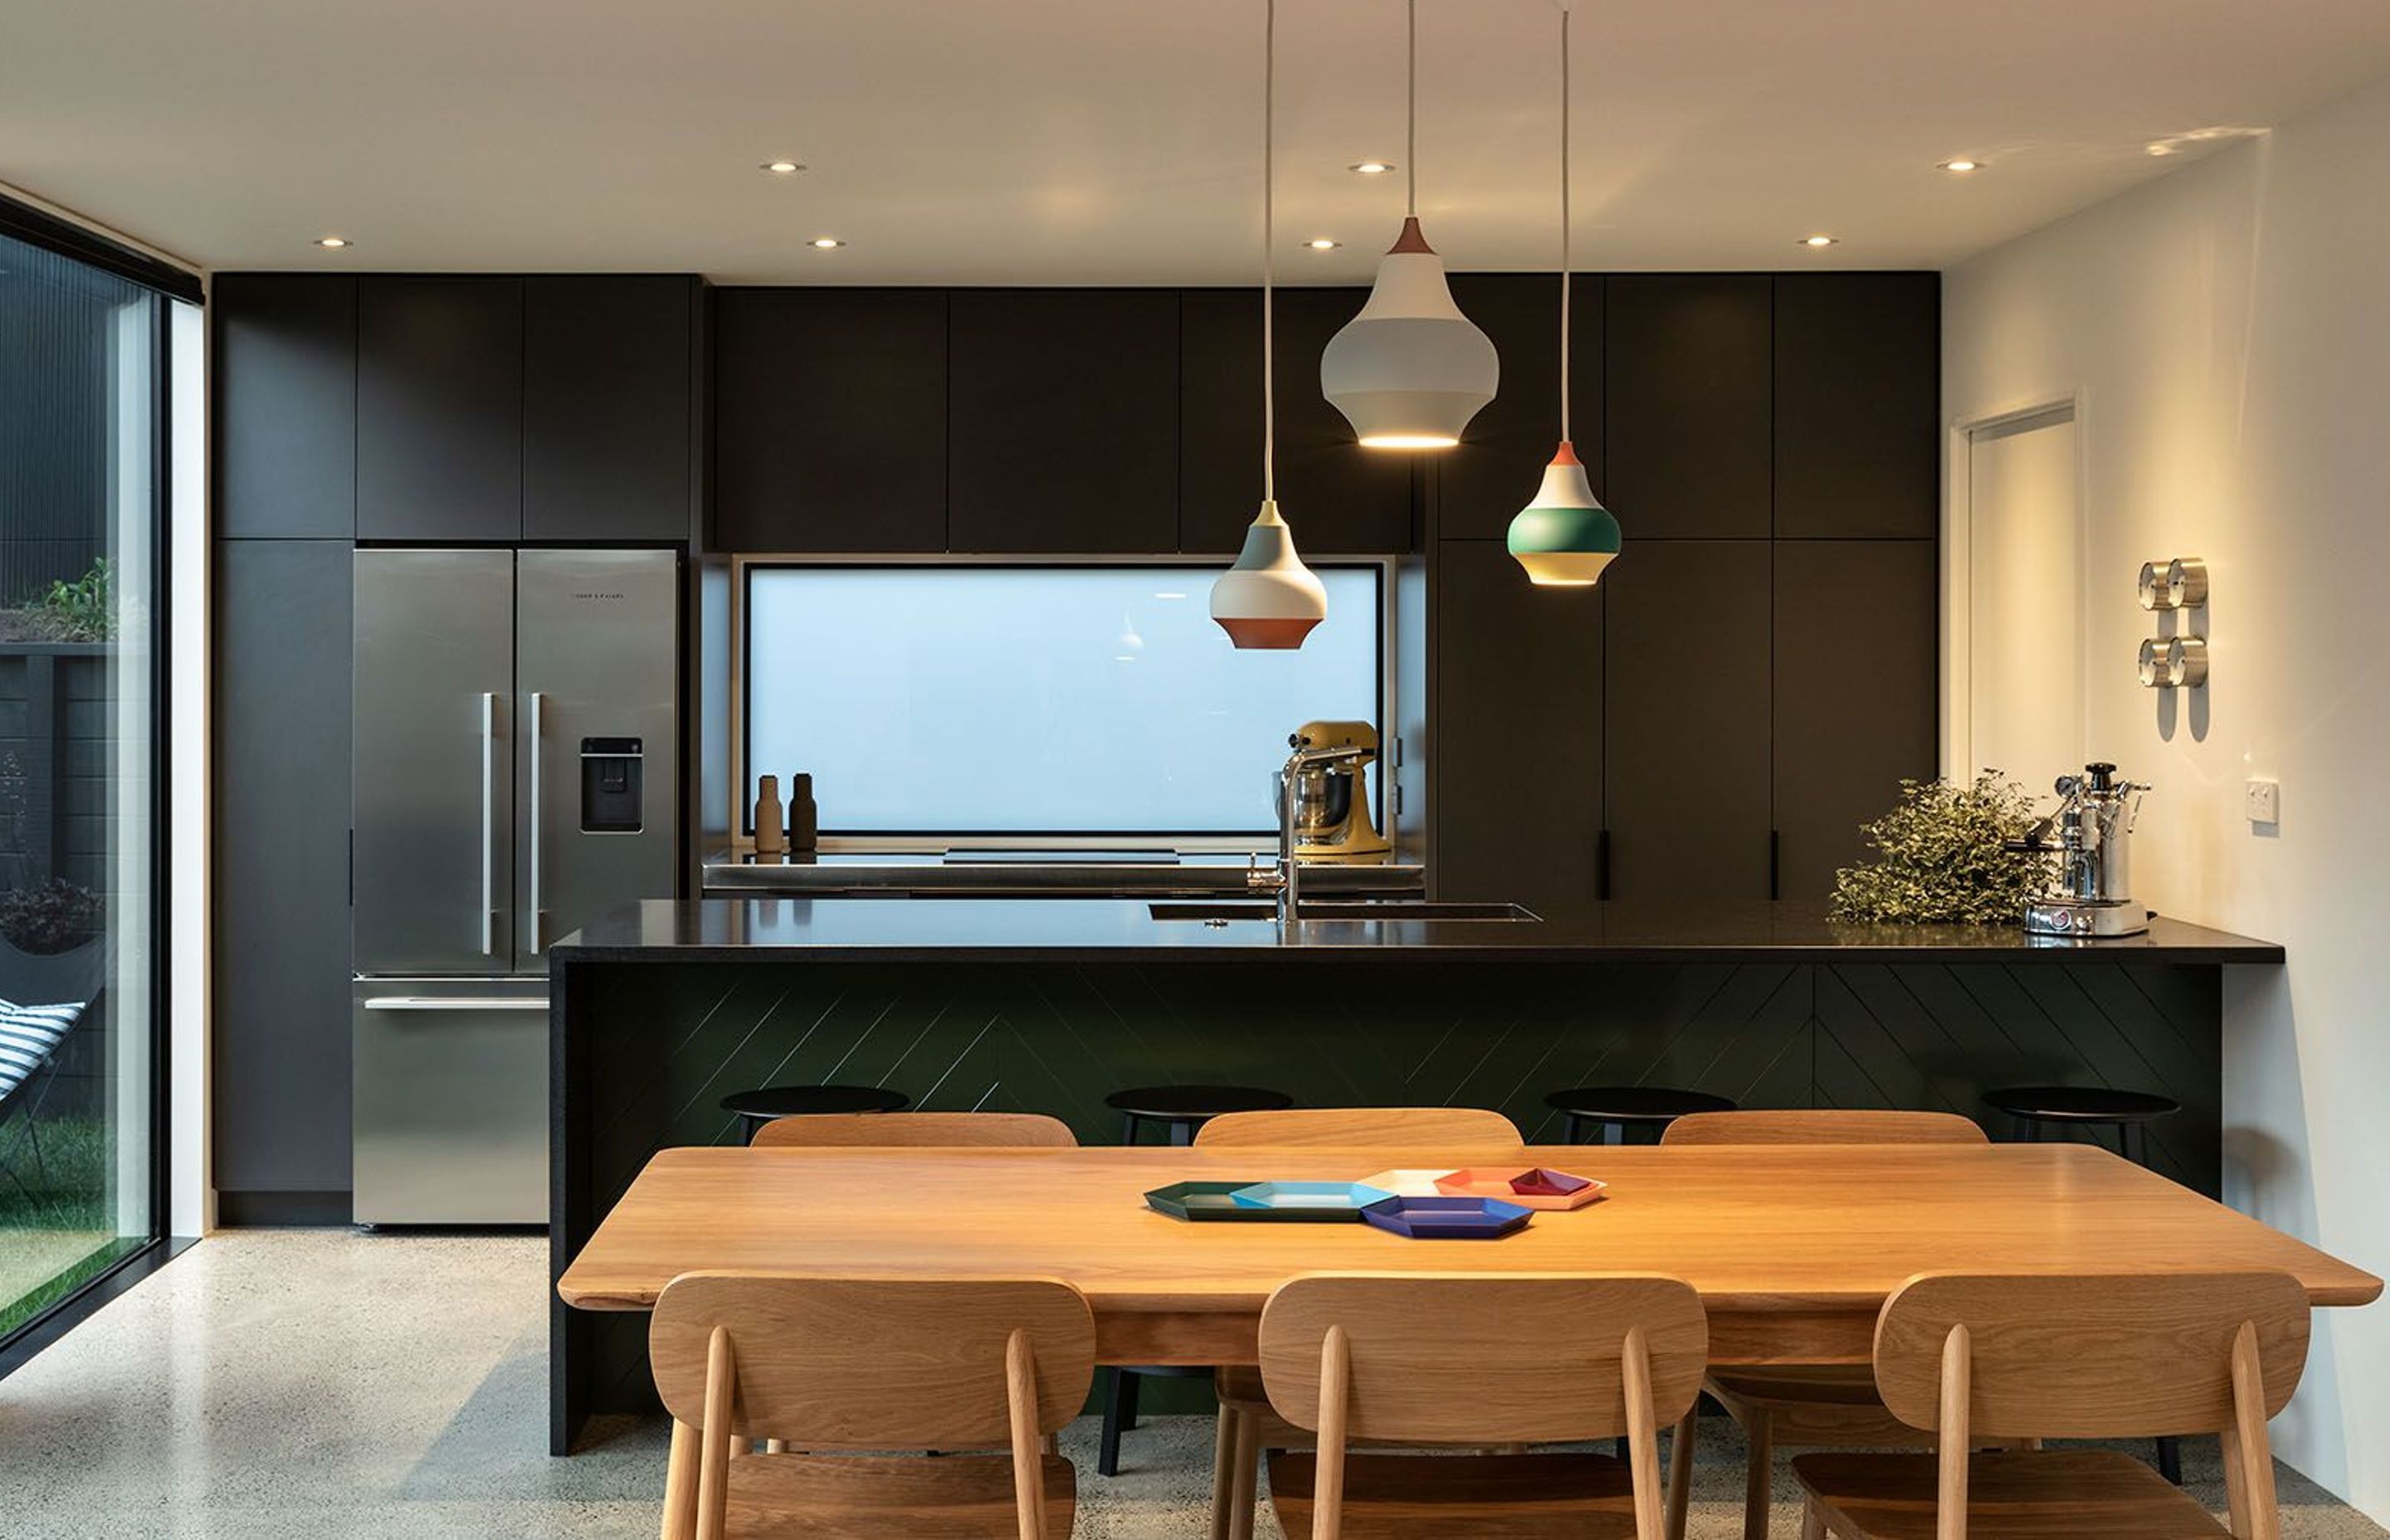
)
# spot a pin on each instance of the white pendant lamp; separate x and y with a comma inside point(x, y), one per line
point(1270, 599)
point(1410, 371)
point(1565, 537)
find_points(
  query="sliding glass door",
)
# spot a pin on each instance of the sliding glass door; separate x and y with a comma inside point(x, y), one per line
point(82, 362)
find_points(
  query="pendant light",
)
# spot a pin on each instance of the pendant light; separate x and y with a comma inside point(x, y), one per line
point(1270, 599)
point(1565, 537)
point(1410, 371)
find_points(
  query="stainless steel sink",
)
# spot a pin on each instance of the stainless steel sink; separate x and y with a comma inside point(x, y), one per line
point(1347, 909)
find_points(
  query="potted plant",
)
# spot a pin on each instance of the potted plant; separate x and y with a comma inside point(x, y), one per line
point(1948, 854)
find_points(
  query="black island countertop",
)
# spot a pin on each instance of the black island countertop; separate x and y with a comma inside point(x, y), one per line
point(1111, 930)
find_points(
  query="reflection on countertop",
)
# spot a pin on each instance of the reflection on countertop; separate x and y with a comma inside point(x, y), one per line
point(1067, 930)
point(1157, 872)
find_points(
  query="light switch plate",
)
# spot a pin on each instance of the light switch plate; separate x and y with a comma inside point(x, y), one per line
point(2262, 800)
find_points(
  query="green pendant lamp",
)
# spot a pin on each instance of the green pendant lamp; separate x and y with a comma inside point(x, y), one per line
point(1565, 537)
point(1269, 600)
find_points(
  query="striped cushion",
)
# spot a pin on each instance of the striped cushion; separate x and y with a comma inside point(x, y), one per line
point(28, 1033)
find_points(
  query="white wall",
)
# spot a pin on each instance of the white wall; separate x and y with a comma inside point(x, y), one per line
point(2226, 331)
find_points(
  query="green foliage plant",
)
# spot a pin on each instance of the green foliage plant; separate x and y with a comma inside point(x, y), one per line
point(1945, 856)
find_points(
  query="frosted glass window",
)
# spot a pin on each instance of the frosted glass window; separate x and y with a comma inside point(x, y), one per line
point(1036, 700)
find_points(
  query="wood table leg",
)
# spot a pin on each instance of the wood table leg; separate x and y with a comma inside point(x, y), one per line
point(1680, 1470)
point(1759, 1476)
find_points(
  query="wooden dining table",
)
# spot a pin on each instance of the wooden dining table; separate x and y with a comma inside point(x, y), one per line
point(1793, 1249)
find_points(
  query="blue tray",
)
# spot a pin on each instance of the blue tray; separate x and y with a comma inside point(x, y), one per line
point(1447, 1218)
point(1343, 1198)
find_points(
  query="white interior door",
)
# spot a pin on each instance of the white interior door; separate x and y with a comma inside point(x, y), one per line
point(2025, 686)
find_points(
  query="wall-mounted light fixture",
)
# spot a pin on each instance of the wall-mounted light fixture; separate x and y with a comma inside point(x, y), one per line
point(2178, 582)
point(2174, 663)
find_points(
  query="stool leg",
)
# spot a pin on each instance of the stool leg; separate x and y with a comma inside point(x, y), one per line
point(2131, 1141)
point(1128, 1398)
point(747, 1127)
point(1117, 1393)
point(1128, 1128)
point(1575, 1129)
point(1183, 1133)
point(1613, 1133)
point(2170, 1459)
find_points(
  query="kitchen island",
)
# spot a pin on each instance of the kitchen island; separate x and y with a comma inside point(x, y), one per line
point(1048, 1005)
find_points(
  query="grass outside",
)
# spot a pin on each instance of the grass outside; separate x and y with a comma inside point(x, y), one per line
point(58, 1214)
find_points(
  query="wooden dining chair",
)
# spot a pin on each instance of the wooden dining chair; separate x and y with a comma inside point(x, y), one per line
point(1965, 1357)
point(1473, 1359)
point(869, 1364)
point(1320, 1127)
point(1797, 1405)
point(984, 1130)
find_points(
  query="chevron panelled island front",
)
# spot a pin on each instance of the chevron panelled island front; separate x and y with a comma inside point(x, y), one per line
point(1048, 1005)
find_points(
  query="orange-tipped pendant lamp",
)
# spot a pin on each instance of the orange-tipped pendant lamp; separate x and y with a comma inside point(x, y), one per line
point(1565, 537)
point(1410, 371)
point(1270, 599)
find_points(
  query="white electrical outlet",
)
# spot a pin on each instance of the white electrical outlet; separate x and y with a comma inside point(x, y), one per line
point(2262, 800)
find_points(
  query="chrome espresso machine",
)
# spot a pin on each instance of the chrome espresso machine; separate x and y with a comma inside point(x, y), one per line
point(2091, 834)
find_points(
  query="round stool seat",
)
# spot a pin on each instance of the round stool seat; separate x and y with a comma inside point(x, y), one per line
point(1183, 1103)
point(2080, 1104)
point(791, 1101)
point(1616, 1108)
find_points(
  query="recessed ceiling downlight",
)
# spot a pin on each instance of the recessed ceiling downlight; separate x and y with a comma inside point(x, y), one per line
point(784, 167)
point(826, 243)
point(1321, 243)
point(1962, 165)
point(333, 243)
point(1819, 241)
point(1372, 168)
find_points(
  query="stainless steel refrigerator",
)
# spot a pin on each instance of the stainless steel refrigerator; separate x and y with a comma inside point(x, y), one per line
point(516, 755)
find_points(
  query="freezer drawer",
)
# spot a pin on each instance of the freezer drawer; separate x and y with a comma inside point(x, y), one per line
point(451, 1101)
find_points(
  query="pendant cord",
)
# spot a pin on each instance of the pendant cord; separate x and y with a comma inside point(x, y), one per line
point(1564, 222)
point(1269, 250)
point(1411, 117)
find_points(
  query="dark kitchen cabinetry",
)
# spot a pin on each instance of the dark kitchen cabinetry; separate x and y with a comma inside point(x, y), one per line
point(830, 420)
point(609, 431)
point(1517, 753)
point(1686, 691)
point(1856, 695)
point(286, 404)
point(1858, 393)
point(439, 409)
point(1687, 389)
point(1063, 420)
point(281, 880)
point(1499, 462)
point(1340, 497)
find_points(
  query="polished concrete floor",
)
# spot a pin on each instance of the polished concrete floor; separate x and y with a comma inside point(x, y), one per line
point(317, 1383)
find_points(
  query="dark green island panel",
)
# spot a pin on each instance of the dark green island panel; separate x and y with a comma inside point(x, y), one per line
point(1049, 1004)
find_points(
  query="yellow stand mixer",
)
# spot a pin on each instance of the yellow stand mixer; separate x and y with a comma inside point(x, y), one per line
point(1331, 802)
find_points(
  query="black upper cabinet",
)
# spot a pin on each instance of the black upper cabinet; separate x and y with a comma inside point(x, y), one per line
point(286, 404)
point(439, 409)
point(1858, 404)
point(1686, 722)
point(1517, 750)
point(1855, 706)
point(1500, 459)
point(830, 420)
point(1340, 497)
point(1063, 420)
point(608, 430)
point(1687, 405)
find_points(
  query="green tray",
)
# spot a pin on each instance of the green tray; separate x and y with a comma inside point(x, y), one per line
point(1204, 1201)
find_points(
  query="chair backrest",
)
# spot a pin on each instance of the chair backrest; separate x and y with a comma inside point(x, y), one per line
point(1521, 1358)
point(1327, 1126)
point(1824, 1126)
point(873, 1362)
point(985, 1130)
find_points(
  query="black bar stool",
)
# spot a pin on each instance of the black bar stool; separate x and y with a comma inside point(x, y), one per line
point(1630, 1114)
point(1180, 1110)
point(755, 1108)
point(2043, 1111)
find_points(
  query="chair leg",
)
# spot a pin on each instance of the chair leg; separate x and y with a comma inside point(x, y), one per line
point(680, 1485)
point(1244, 1484)
point(1813, 1520)
point(1759, 1475)
point(1117, 1403)
point(1680, 1470)
point(2170, 1459)
point(1224, 1467)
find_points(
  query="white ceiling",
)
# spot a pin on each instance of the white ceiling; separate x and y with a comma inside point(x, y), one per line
point(1117, 141)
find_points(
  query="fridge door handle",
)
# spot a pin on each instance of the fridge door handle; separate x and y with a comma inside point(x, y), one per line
point(452, 1002)
point(538, 919)
point(489, 822)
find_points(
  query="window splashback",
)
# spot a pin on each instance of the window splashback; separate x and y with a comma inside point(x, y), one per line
point(1036, 701)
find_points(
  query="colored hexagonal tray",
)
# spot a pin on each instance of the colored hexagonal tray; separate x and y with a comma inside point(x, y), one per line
point(1534, 1188)
point(1344, 1197)
point(1408, 1183)
point(1447, 1218)
point(1212, 1201)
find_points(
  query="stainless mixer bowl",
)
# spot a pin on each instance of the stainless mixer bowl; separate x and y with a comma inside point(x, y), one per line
point(1323, 802)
